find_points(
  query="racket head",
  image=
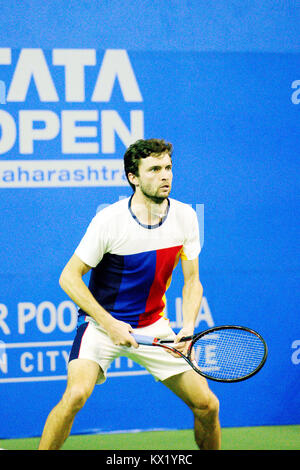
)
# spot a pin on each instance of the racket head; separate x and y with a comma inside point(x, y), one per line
point(228, 353)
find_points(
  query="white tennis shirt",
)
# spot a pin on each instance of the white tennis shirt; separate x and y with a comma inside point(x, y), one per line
point(132, 263)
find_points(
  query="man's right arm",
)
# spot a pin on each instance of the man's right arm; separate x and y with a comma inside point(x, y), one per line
point(72, 283)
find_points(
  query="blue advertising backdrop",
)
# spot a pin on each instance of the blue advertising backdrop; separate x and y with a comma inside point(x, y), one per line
point(77, 87)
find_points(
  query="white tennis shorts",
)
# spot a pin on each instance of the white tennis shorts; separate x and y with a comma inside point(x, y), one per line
point(92, 342)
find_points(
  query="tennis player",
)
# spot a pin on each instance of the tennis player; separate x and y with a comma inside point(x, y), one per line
point(132, 248)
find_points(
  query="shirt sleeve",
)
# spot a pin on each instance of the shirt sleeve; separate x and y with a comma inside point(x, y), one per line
point(92, 247)
point(191, 247)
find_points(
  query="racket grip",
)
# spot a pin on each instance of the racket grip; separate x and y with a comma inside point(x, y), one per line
point(187, 338)
point(146, 340)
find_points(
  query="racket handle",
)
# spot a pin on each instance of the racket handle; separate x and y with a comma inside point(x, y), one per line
point(146, 340)
point(184, 338)
point(187, 338)
point(151, 340)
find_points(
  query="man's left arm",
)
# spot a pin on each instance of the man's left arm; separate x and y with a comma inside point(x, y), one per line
point(192, 293)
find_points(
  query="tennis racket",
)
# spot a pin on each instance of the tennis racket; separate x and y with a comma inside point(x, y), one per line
point(223, 353)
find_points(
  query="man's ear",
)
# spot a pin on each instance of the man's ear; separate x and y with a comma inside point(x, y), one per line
point(133, 179)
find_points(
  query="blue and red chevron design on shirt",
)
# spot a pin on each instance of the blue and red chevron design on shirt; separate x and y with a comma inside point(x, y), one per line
point(132, 287)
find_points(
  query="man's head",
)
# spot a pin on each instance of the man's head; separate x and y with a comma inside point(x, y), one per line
point(148, 165)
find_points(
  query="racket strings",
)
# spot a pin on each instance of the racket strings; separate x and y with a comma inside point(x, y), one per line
point(229, 354)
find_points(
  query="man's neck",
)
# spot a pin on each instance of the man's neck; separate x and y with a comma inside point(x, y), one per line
point(147, 211)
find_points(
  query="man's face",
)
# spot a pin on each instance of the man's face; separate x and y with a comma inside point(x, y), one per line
point(155, 177)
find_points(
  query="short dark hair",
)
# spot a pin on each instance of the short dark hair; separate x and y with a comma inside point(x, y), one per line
point(143, 149)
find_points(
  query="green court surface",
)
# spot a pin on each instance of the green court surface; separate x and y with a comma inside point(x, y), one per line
point(245, 438)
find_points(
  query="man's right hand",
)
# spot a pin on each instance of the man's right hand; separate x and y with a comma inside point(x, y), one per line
point(120, 333)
